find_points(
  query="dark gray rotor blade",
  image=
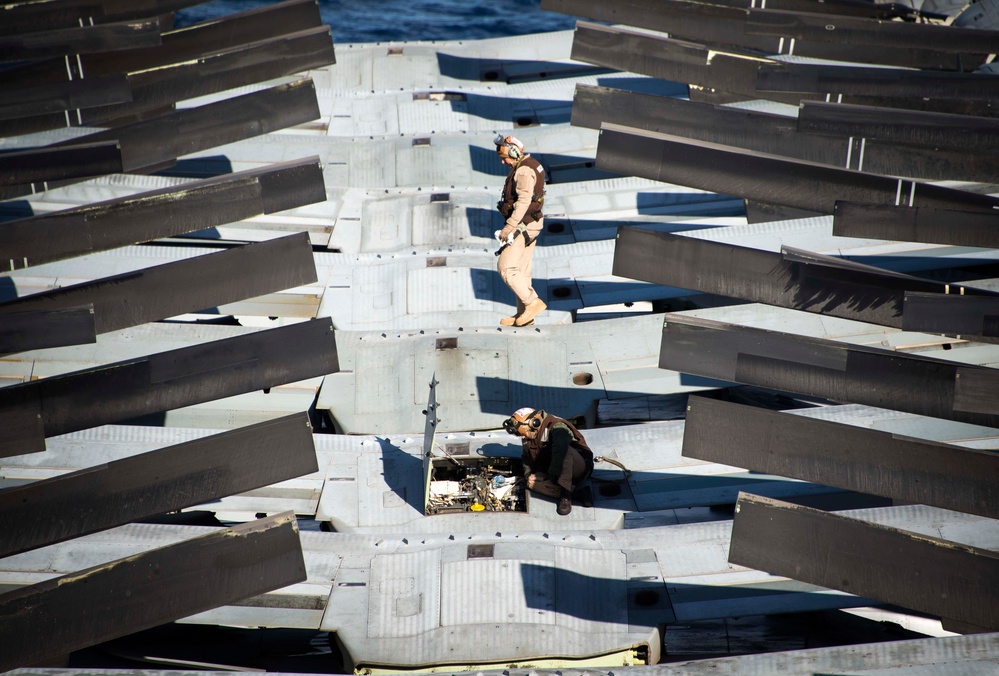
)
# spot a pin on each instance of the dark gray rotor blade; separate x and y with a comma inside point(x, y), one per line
point(861, 8)
point(62, 98)
point(161, 213)
point(764, 212)
point(915, 127)
point(592, 105)
point(182, 132)
point(56, 163)
point(156, 143)
point(713, 24)
point(899, 83)
point(777, 135)
point(226, 32)
point(715, 76)
point(107, 37)
point(819, 284)
point(952, 314)
point(831, 370)
point(127, 595)
point(854, 40)
point(161, 481)
point(178, 378)
point(178, 45)
point(855, 458)
point(917, 224)
point(222, 70)
point(887, 88)
point(637, 12)
point(662, 58)
point(183, 44)
point(972, 44)
point(41, 329)
point(22, 426)
point(926, 574)
point(182, 286)
point(31, 16)
point(765, 178)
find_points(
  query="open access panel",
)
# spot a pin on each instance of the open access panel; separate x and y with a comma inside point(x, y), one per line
point(455, 480)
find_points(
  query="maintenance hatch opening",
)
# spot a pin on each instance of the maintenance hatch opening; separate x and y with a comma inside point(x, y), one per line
point(476, 484)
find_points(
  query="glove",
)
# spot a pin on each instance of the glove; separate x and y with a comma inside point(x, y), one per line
point(508, 237)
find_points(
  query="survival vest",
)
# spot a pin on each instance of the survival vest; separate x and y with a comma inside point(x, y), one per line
point(510, 191)
point(539, 449)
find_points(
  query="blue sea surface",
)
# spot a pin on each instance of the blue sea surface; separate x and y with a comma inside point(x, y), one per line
point(410, 20)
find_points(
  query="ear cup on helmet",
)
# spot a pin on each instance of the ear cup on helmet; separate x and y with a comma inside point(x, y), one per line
point(512, 145)
point(523, 417)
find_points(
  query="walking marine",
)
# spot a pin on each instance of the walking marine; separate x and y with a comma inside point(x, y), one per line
point(523, 198)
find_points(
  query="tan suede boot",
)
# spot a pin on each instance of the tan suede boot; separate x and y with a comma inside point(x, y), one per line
point(510, 321)
point(530, 312)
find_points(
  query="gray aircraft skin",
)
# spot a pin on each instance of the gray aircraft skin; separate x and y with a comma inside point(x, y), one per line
point(418, 555)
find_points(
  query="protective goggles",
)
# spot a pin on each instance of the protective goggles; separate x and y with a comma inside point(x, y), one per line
point(512, 426)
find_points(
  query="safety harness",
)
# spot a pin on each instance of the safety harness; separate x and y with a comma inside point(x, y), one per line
point(506, 205)
point(539, 453)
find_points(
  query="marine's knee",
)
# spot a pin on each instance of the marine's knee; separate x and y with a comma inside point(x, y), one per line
point(508, 271)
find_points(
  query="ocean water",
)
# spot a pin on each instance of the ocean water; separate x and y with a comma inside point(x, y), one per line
point(410, 20)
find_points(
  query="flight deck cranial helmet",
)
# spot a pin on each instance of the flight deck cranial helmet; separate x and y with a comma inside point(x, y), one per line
point(522, 417)
point(508, 146)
